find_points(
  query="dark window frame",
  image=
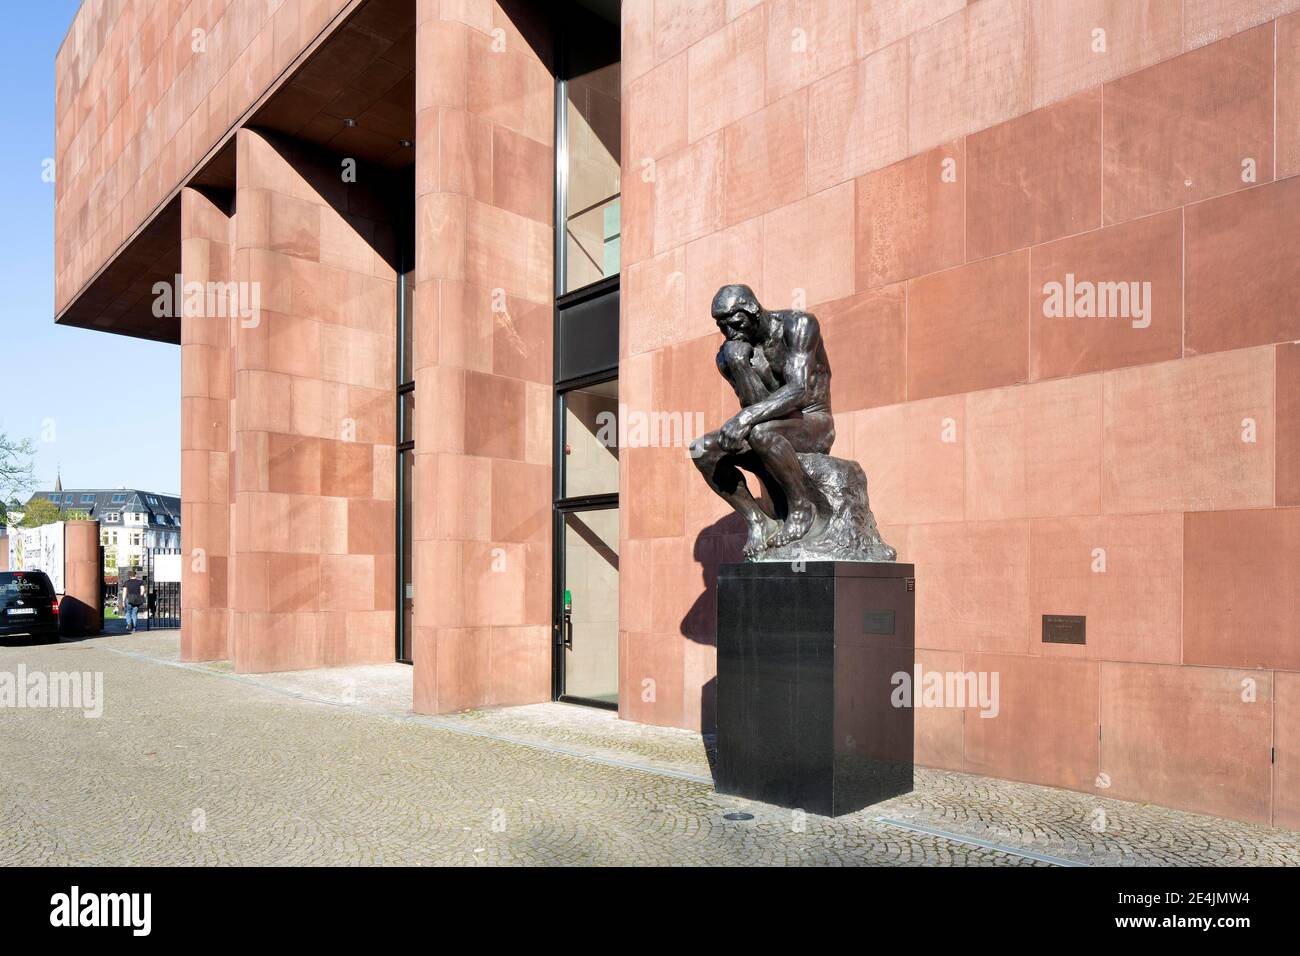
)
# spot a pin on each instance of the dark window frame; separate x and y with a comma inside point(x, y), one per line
point(607, 285)
point(403, 309)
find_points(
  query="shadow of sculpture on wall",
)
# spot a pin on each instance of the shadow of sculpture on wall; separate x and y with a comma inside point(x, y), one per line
point(720, 543)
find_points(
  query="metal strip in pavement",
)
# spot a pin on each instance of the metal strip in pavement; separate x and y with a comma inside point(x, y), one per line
point(429, 721)
point(422, 719)
point(562, 751)
point(976, 841)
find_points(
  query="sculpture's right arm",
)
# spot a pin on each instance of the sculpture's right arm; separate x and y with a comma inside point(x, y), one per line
point(733, 363)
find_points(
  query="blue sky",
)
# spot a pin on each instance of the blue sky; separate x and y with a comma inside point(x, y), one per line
point(113, 402)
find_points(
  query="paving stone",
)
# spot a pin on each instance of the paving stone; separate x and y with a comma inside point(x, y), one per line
point(191, 764)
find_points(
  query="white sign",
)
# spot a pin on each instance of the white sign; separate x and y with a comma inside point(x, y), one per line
point(38, 549)
point(166, 567)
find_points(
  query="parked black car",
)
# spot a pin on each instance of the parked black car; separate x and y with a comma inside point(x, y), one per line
point(28, 606)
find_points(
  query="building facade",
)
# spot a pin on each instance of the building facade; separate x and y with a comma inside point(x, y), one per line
point(132, 522)
point(1050, 242)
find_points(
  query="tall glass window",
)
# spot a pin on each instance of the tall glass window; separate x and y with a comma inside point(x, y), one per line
point(405, 452)
point(590, 440)
point(589, 159)
point(587, 263)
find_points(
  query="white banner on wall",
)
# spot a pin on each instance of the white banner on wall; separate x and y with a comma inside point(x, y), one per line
point(38, 549)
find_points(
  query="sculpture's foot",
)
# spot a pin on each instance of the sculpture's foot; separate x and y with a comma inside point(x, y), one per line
point(843, 530)
point(797, 524)
point(757, 542)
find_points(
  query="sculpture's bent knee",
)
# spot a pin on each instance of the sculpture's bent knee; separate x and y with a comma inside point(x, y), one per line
point(763, 435)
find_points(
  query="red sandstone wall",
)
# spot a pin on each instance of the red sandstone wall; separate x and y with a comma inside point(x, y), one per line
point(313, 414)
point(137, 106)
point(207, 391)
point(483, 306)
point(81, 609)
point(802, 147)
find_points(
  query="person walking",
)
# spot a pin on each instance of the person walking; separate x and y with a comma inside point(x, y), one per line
point(133, 592)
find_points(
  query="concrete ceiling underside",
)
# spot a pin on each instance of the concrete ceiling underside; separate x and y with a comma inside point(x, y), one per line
point(364, 73)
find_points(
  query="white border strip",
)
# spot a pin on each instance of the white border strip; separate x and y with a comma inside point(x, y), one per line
point(976, 841)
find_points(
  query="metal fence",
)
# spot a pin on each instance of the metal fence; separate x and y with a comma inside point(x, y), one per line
point(164, 602)
point(162, 607)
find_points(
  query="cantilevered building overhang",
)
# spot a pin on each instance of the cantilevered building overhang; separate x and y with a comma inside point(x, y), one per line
point(149, 103)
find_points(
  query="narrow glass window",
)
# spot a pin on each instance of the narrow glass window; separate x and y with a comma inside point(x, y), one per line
point(590, 166)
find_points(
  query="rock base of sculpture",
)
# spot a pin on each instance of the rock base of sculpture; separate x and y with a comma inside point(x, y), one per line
point(851, 533)
point(806, 692)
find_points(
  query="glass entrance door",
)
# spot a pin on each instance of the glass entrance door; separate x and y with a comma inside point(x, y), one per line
point(589, 606)
point(586, 543)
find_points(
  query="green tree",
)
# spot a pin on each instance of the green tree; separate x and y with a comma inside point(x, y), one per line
point(15, 469)
point(40, 511)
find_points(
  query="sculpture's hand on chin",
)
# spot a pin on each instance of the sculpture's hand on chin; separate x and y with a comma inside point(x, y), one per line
point(763, 369)
point(736, 353)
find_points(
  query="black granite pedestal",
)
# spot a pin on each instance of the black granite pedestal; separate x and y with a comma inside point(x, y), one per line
point(806, 663)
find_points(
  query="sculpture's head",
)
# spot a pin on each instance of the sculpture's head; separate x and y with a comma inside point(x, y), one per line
point(737, 312)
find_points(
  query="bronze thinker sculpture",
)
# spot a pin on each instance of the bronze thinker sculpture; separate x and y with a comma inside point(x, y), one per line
point(815, 507)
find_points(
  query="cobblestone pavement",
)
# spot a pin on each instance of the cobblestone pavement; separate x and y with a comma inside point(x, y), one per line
point(191, 764)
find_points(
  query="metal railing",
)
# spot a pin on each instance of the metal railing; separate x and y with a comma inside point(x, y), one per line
point(162, 608)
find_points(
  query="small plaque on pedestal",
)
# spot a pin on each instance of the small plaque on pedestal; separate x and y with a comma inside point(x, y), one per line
point(807, 655)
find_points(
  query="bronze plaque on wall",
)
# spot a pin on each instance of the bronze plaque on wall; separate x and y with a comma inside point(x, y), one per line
point(1064, 629)
point(878, 622)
